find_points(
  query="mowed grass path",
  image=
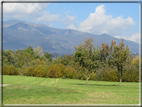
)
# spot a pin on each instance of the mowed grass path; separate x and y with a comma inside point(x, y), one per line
point(36, 90)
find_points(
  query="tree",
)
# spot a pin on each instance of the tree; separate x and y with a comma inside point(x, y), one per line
point(22, 58)
point(36, 62)
point(118, 56)
point(104, 53)
point(38, 51)
point(11, 52)
point(47, 57)
point(87, 57)
point(30, 51)
point(7, 58)
point(19, 51)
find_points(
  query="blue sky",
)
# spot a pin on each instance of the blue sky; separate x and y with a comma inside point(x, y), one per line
point(120, 20)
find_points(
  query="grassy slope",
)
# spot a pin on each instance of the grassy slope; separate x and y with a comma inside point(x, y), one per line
point(36, 90)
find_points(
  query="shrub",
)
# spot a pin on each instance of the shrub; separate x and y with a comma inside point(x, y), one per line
point(83, 78)
point(93, 76)
point(131, 75)
point(110, 76)
point(28, 71)
point(10, 70)
point(78, 68)
point(37, 72)
point(70, 72)
point(56, 70)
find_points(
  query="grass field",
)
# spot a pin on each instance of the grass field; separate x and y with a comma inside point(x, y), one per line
point(36, 90)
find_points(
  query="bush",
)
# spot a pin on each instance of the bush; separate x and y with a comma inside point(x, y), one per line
point(131, 75)
point(70, 72)
point(36, 71)
point(110, 76)
point(28, 71)
point(10, 70)
point(93, 77)
point(56, 70)
point(52, 71)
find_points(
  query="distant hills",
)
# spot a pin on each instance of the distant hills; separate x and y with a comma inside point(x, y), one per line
point(21, 34)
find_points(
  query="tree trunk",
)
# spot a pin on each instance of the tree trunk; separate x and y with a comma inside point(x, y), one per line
point(120, 80)
point(120, 76)
point(86, 81)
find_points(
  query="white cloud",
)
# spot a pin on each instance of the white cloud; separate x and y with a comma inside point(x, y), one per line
point(71, 26)
point(99, 23)
point(118, 37)
point(48, 17)
point(26, 10)
point(68, 19)
point(32, 11)
point(134, 37)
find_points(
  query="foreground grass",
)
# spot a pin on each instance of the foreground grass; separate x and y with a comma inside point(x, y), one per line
point(36, 90)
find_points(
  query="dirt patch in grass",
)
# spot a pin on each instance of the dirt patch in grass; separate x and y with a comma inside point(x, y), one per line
point(3, 85)
point(43, 83)
point(52, 82)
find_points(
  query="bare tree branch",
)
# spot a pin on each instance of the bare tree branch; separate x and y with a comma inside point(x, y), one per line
point(90, 75)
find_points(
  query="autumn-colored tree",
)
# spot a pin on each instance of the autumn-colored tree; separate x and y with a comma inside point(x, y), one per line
point(86, 57)
point(118, 56)
point(104, 53)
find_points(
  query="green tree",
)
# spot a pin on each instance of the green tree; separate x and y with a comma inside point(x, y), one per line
point(22, 58)
point(66, 60)
point(30, 51)
point(7, 58)
point(47, 57)
point(36, 62)
point(87, 57)
point(118, 56)
point(38, 51)
point(19, 51)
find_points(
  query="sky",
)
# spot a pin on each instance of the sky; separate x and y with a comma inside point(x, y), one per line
point(120, 20)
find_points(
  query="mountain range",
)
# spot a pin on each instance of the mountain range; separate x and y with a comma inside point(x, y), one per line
point(21, 34)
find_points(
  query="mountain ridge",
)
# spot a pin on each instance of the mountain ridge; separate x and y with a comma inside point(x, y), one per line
point(21, 34)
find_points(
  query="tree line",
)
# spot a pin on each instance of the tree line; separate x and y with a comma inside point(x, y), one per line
point(105, 63)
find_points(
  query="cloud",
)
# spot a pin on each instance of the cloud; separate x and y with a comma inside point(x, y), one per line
point(68, 19)
point(71, 26)
point(134, 37)
point(26, 10)
point(48, 17)
point(99, 23)
point(32, 11)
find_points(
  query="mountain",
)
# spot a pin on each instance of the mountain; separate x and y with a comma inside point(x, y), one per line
point(21, 34)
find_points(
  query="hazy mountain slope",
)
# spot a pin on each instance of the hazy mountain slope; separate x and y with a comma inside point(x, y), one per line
point(20, 35)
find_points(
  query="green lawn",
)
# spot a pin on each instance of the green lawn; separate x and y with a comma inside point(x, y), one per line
point(36, 90)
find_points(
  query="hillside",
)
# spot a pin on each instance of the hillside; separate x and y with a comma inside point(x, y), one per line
point(20, 34)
